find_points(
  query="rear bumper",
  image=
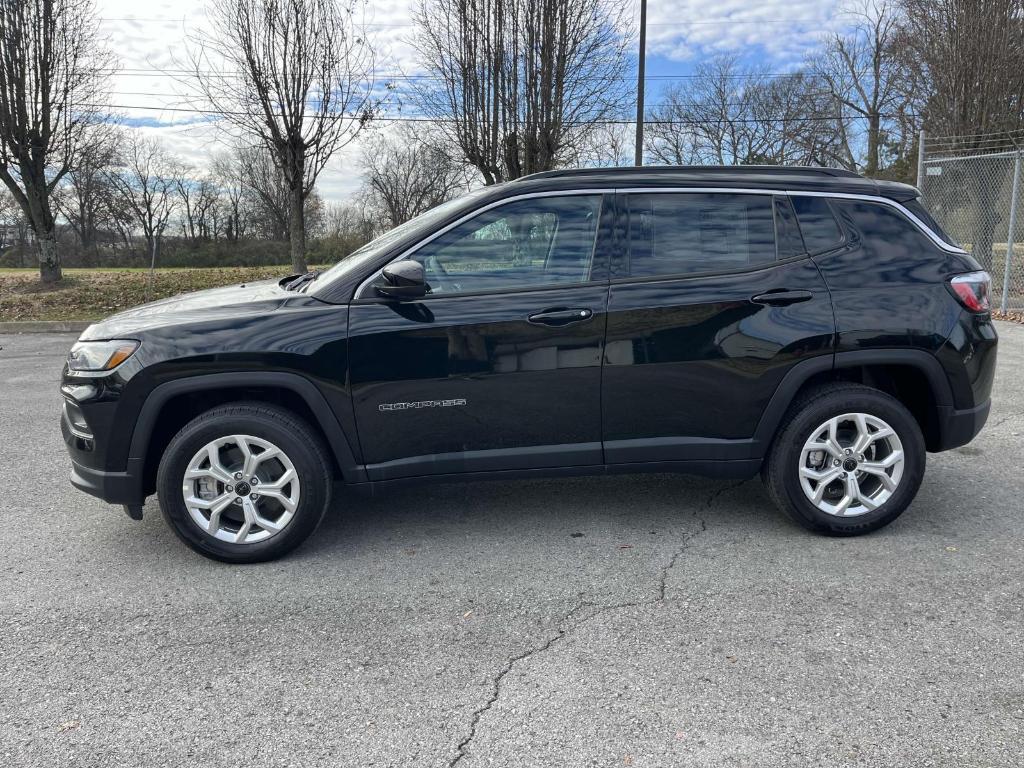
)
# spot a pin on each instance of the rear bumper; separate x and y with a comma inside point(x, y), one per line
point(959, 427)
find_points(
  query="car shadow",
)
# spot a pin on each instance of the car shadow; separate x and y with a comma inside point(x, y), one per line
point(538, 508)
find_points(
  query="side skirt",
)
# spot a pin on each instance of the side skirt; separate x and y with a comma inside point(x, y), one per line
point(739, 470)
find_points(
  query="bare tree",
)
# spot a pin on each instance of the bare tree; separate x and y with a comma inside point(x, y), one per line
point(85, 199)
point(229, 175)
point(607, 145)
point(709, 119)
point(522, 82)
point(146, 179)
point(296, 75)
point(53, 70)
point(970, 55)
point(408, 173)
point(727, 114)
point(197, 198)
point(268, 189)
point(14, 226)
point(862, 70)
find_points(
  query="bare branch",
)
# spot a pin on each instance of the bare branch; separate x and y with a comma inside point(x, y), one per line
point(54, 65)
point(522, 82)
point(294, 76)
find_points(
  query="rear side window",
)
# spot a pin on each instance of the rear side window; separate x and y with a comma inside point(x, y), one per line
point(679, 233)
point(820, 230)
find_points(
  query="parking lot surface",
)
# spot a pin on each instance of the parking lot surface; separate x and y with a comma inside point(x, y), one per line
point(643, 621)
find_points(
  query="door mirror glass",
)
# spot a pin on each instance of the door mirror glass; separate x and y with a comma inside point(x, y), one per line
point(403, 280)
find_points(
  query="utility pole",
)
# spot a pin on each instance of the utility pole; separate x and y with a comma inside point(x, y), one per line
point(920, 160)
point(1014, 197)
point(639, 155)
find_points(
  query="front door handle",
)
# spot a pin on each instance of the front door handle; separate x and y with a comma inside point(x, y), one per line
point(559, 316)
point(782, 298)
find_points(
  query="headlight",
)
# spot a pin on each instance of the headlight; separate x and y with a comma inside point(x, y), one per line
point(100, 355)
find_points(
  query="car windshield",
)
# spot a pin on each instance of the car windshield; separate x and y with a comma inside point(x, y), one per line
point(423, 223)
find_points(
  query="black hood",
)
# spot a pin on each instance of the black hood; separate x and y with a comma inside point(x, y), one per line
point(231, 301)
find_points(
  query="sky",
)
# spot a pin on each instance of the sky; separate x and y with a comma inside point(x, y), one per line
point(151, 41)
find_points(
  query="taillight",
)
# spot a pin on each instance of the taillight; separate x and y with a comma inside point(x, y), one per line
point(972, 290)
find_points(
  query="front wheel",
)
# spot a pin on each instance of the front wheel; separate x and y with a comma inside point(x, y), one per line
point(244, 483)
point(850, 460)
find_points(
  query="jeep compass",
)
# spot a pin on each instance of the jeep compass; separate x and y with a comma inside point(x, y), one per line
point(807, 324)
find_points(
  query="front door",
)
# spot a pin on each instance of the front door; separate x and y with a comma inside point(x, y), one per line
point(712, 301)
point(499, 367)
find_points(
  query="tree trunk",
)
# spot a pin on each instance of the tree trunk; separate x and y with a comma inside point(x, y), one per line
point(874, 145)
point(154, 247)
point(297, 231)
point(49, 258)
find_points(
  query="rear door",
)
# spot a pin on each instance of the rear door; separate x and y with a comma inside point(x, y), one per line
point(499, 368)
point(712, 301)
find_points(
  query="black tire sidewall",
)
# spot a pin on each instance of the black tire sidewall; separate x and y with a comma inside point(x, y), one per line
point(785, 466)
point(290, 436)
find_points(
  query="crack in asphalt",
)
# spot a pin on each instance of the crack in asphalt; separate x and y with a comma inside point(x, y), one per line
point(1002, 421)
point(566, 625)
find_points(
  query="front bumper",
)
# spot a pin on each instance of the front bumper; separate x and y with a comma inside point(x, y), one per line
point(113, 487)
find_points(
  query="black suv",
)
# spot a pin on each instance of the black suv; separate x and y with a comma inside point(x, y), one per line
point(808, 324)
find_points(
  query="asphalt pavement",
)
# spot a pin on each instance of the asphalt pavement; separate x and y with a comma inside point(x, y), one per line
point(623, 621)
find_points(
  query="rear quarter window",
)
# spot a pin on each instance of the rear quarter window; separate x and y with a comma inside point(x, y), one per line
point(883, 231)
point(821, 232)
point(916, 208)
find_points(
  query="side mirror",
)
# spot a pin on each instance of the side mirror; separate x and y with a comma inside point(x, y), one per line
point(403, 280)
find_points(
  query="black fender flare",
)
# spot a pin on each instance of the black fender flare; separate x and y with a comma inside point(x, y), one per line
point(153, 405)
point(800, 373)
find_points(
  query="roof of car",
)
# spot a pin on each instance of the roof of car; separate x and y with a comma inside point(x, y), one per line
point(736, 176)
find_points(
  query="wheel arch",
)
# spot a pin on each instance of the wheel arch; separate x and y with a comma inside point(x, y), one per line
point(913, 376)
point(172, 404)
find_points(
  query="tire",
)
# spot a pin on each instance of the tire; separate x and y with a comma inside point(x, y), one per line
point(790, 474)
point(273, 520)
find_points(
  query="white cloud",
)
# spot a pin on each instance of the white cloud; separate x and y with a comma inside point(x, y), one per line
point(781, 31)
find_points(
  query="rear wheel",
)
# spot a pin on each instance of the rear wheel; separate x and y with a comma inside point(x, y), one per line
point(849, 461)
point(244, 483)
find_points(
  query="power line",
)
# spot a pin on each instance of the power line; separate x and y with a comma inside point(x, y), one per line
point(389, 76)
point(427, 119)
point(410, 25)
point(662, 105)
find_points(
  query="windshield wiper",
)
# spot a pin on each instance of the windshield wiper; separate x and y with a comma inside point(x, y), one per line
point(302, 280)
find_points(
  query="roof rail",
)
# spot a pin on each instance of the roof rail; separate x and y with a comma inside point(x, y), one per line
point(697, 170)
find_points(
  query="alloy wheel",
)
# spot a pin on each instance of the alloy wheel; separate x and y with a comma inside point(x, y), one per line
point(241, 489)
point(851, 465)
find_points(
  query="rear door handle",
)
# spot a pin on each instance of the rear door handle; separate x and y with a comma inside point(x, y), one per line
point(782, 298)
point(560, 316)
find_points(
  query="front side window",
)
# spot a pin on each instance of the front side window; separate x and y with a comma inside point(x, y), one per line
point(691, 232)
point(522, 244)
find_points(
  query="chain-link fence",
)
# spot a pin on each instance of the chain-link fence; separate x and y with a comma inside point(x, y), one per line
point(974, 189)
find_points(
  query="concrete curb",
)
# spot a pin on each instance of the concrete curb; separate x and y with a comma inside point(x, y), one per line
point(44, 326)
